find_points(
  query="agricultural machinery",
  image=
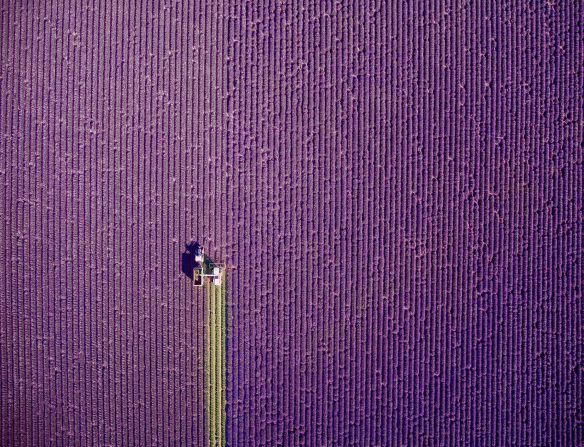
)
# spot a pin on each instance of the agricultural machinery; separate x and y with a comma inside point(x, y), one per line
point(205, 268)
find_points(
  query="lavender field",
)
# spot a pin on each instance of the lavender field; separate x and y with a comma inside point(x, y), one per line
point(396, 188)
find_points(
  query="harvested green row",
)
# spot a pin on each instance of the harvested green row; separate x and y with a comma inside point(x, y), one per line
point(216, 364)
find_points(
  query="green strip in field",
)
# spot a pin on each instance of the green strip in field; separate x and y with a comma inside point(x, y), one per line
point(216, 364)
